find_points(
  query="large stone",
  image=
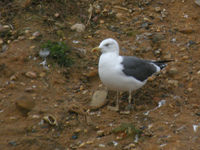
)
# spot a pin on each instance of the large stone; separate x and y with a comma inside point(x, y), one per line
point(99, 99)
point(25, 104)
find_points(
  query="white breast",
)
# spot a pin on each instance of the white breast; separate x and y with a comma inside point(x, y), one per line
point(112, 76)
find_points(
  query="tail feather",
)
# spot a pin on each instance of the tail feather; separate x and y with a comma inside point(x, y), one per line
point(162, 63)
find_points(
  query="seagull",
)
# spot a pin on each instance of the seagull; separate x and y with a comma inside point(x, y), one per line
point(124, 73)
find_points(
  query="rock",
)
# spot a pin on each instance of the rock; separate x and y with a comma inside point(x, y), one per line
point(13, 78)
point(29, 89)
point(77, 130)
point(198, 72)
point(186, 31)
point(172, 71)
point(130, 146)
point(92, 73)
point(1, 41)
point(74, 137)
point(157, 52)
point(78, 27)
point(115, 143)
point(145, 25)
point(56, 15)
point(190, 89)
point(36, 34)
point(173, 82)
point(198, 114)
point(167, 56)
point(157, 9)
point(119, 16)
point(156, 37)
point(102, 145)
point(97, 8)
point(125, 112)
point(4, 48)
point(12, 143)
point(82, 144)
point(90, 142)
point(190, 43)
point(102, 21)
point(98, 99)
point(100, 133)
point(42, 74)
point(24, 104)
point(185, 57)
point(197, 2)
point(1, 28)
point(31, 74)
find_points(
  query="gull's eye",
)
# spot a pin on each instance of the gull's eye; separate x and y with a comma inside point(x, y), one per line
point(107, 44)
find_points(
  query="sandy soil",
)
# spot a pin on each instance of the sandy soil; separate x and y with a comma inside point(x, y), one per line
point(167, 29)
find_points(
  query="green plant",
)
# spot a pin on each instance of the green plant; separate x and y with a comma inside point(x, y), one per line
point(128, 128)
point(59, 52)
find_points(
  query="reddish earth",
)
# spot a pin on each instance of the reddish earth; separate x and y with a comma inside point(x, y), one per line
point(152, 30)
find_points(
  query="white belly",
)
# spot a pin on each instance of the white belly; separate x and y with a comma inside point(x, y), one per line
point(112, 76)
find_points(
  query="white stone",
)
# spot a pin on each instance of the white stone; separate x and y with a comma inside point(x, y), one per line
point(78, 27)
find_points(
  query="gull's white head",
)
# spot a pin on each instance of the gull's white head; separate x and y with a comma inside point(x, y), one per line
point(109, 45)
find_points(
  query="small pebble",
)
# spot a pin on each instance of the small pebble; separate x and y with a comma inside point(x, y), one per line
point(12, 143)
point(185, 57)
point(82, 144)
point(119, 16)
point(157, 9)
point(77, 130)
point(130, 146)
point(35, 116)
point(36, 34)
point(13, 78)
point(74, 137)
point(125, 112)
point(190, 89)
point(173, 71)
point(90, 142)
point(197, 2)
point(1, 41)
point(12, 118)
point(198, 113)
point(102, 21)
point(102, 145)
point(186, 30)
point(29, 89)
point(56, 15)
point(4, 48)
point(42, 74)
point(78, 27)
point(115, 143)
point(31, 74)
point(100, 132)
point(173, 82)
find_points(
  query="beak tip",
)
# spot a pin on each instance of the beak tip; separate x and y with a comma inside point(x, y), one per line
point(95, 49)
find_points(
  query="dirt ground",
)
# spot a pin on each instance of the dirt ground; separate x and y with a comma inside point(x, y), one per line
point(162, 29)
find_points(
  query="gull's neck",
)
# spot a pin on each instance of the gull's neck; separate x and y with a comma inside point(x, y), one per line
point(111, 52)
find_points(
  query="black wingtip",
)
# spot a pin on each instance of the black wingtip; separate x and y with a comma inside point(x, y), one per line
point(162, 63)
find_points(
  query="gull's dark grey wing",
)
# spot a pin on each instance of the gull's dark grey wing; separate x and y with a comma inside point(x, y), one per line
point(138, 68)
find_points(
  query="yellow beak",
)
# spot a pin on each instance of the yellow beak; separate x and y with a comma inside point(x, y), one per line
point(96, 49)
